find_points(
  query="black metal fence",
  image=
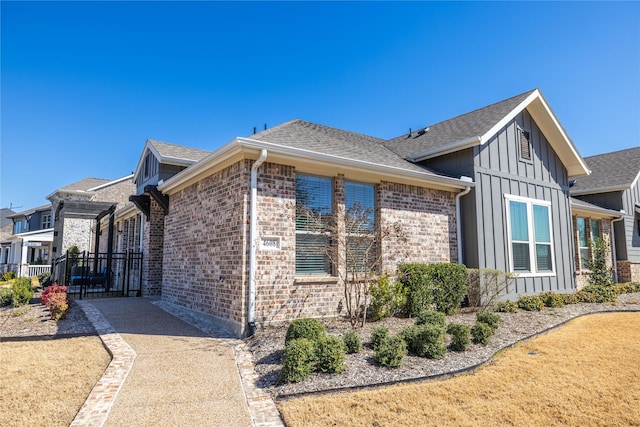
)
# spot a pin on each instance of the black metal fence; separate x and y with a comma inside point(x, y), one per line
point(95, 275)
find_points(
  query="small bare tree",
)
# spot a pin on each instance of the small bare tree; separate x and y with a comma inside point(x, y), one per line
point(353, 249)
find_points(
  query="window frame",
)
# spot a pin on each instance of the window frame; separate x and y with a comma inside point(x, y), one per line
point(533, 265)
point(590, 237)
point(46, 221)
point(327, 260)
point(371, 229)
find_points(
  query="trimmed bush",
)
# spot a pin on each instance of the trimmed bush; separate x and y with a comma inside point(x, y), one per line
point(552, 299)
point(415, 282)
point(491, 319)
point(507, 307)
point(297, 364)
point(391, 351)
point(330, 355)
point(449, 284)
point(44, 278)
point(481, 333)
point(430, 317)
point(378, 335)
point(485, 286)
point(22, 291)
point(352, 342)
point(387, 297)
point(530, 302)
point(570, 298)
point(55, 298)
point(426, 340)
point(306, 327)
point(6, 297)
point(595, 294)
point(461, 336)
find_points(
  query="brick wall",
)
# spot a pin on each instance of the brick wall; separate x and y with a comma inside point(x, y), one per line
point(205, 247)
point(118, 193)
point(153, 249)
point(628, 271)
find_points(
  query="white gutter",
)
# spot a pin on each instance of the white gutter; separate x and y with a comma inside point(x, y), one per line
point(459, 216)
point(253, 238)
point(613, 244)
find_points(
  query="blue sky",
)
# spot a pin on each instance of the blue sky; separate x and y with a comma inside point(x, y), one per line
point(84, 84)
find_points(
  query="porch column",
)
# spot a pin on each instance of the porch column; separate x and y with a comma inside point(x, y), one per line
point(23, 259)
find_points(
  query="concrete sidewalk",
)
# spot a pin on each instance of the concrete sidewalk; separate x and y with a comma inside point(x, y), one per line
point(172, 373)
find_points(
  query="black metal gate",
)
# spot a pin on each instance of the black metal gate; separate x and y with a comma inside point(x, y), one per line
point(96, 275)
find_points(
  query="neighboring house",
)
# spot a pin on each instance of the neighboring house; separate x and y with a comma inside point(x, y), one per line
point(517, 218)
point(159, 161)
point(27, 251)
point(6, 229)
point(614, 184)
point(77, 210)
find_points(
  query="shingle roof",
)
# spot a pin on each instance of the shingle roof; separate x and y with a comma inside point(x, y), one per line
point(609, 171)
point(327, 140)
point(440, 135)
point(178, 151)
point(30, 211)
point(85, 184)
point(579, 204)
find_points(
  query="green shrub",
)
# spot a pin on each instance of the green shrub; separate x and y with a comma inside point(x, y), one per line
point(417, 288)
point(391, 351)
point(9, 275)
point(552, 299)
point(626, 288)
point(22, 291)
point(530, 302)
point(426, 340)
point(449, 284)
point(507, 307)
point(481, 333)
point(601, 274)
point(6, 297)
point(570, 298)
point(491, 319)
point(330, 355)
point(297, 364)
point(44, 278)
point(461, 336)
point(387, 297)
point(595, 294)
point(352, 342)
point(378, 335)
point(430, 317)
point(306, 327)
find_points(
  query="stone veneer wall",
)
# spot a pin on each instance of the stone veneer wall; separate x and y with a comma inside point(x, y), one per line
point(77, 232)
point(205, 247)
point(153, 249)
point(582, 276)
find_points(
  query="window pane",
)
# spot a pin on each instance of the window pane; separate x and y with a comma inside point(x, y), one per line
point(595, 229)
point(542, 232)
point(360, 205)
point(543, 257)
point(584, 258)
point(313, 202)
point(361, 253)
point(582, 232)
point(519, 227)
point(311, 255)
point(521, 260)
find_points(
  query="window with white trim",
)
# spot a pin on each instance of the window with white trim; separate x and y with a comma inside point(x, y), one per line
point(530, 235)
point(314, 213)
point(46, 221)
point(588, 233)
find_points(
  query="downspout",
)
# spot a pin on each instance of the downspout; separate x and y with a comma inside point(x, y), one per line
point(459, 216)
point(613, 245)
point(253, 236)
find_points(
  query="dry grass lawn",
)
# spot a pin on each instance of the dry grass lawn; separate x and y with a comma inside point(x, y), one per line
point(44, 383)
point(585, 373)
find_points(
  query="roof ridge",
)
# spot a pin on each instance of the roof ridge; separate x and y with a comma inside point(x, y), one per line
point(270, 130)
point(375, 138)
point(612, 152)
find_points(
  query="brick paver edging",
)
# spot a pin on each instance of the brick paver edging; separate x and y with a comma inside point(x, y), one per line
point(96, 408)
point(262, 409)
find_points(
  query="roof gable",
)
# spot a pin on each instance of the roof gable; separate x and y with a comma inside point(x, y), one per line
point(171, 154)
point(479, 126)
point(615, 171)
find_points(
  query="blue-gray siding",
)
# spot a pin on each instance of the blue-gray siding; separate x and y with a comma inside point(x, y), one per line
point(630, 198)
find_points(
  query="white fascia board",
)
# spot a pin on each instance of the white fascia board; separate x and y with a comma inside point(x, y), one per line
point(45, 235)
point(506, 119)
point(600, 190)
point(425, 177)
point(635, 181)
point(452, 148)
point(600, 212)
point(115, 181)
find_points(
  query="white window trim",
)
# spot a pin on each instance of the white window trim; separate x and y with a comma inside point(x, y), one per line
point(532, 241)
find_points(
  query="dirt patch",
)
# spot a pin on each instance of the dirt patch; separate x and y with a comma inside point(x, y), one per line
point(584, 373)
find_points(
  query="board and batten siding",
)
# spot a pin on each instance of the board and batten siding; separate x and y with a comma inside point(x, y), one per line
point(630, 198)
point(499, 171)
